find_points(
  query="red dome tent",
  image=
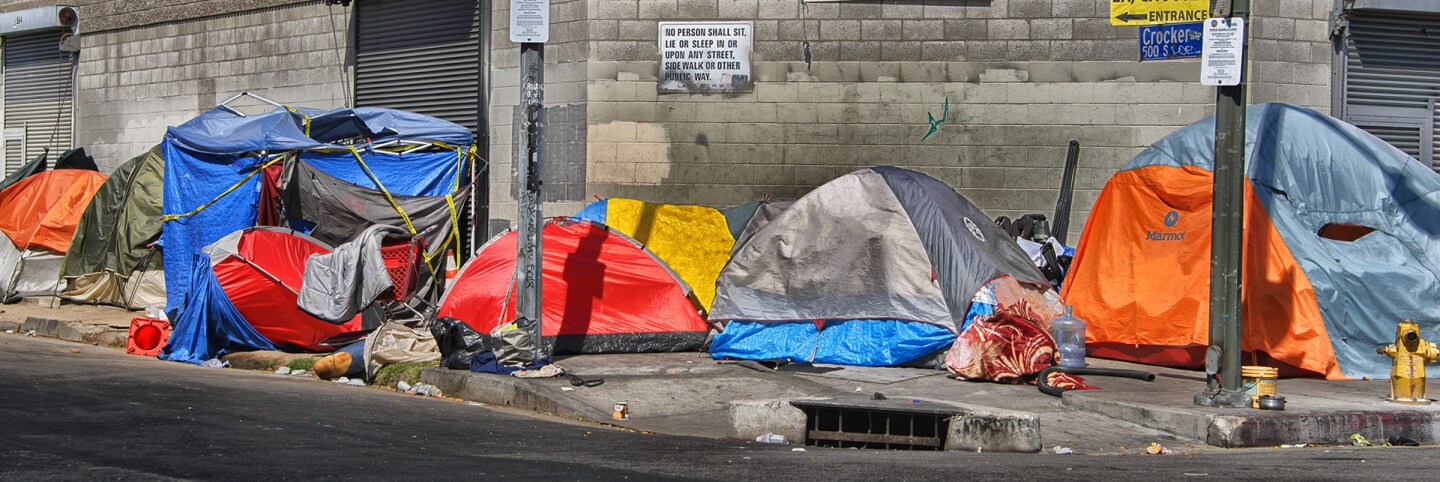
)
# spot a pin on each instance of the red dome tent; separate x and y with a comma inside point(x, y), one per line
point(603, 293)
point(260, 270)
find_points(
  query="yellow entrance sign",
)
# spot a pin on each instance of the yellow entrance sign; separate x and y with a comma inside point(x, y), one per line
point(1154, 12)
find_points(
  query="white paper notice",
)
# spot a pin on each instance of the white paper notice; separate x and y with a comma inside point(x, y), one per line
point(529, 21)
point(705, 56)
point(1221, 54)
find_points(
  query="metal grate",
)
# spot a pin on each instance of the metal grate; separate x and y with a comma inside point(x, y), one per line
point(876, 424)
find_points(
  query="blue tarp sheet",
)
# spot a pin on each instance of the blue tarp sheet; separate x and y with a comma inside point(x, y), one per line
point(414, 174)
point(211, 326)
point(595, 211)
point(842, 342)
point(191, 180)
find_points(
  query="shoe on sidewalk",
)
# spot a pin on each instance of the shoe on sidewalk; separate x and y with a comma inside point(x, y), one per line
point(332, 366)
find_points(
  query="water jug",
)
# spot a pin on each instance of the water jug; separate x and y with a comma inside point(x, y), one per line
point(1069, 332)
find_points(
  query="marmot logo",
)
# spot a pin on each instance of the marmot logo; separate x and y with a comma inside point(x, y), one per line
point(974, 230)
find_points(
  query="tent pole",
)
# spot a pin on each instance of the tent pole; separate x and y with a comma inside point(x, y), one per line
point(1222, 358)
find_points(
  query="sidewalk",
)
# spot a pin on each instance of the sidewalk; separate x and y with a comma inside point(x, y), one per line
point(692, 394)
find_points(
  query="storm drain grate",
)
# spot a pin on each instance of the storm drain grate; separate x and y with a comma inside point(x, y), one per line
point(876, 424)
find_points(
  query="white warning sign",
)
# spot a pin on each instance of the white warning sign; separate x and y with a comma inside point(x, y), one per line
point(705, 56)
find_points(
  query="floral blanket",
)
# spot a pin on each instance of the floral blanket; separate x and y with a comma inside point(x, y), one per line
point(1014, 344)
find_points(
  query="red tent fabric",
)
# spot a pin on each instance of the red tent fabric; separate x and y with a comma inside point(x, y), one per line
point(260, 270)
point(603, 293)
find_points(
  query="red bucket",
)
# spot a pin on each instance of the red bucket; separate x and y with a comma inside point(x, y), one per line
point(147, 336)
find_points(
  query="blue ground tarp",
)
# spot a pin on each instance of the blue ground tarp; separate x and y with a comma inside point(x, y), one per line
point(842, 342)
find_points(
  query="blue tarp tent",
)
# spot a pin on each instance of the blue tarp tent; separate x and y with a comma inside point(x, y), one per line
point(212, 183)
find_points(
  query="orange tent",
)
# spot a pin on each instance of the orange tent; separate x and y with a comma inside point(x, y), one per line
point(42, 210)
point(1340, 243)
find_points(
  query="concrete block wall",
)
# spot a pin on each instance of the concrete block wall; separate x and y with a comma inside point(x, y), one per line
point(566, 98)
point(1291, 53)
point(135, 82)
point(1023, 77)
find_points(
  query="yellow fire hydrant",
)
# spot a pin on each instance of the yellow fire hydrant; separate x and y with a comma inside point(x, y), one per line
point(1407, 373)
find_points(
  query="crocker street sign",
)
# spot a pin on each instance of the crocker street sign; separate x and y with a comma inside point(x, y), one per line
point(1154, 12)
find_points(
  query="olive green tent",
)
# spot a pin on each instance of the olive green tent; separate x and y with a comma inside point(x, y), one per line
point(111, 260)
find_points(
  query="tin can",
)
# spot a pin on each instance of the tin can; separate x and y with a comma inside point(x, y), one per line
point(621, 411)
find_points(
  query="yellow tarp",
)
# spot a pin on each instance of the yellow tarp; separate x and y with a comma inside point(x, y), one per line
point(694, 240)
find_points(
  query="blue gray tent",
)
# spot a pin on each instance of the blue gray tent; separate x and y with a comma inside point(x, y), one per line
point(1342, 241)
point(878, 267)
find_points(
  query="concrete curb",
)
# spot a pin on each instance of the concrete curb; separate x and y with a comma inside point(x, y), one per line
point(69, 330)
point(993, 430)
point(1245, 428)
point(507, 391)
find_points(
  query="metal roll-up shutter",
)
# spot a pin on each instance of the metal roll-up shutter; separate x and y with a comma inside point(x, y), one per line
point(421, 56)
point(1392, 78)
point(425, 56)
point(38, 97)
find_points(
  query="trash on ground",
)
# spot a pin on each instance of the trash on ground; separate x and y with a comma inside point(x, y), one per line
point(621, 411)
point(1359, 440)
point(9, 331)
point(771, 438)
point(1293, 446)
point(1063, 450)
point(797, 449)
point(215, 363)
point(297, 373)
point(419, 389)
point(547, 371)
point(1156, 449)
point(356, 382)
point(1403, 441)
point(478, 404)
point(282, 371)
point(567, 389)
point(30, 333)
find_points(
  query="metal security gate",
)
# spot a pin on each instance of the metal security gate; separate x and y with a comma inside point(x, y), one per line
point(425, 56)
point(1392, 78)
point(39, 90)
point(421, 56)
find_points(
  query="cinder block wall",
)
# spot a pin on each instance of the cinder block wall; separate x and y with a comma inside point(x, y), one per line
point(566, 103)
point(133, 82)
point(1023, 77)
point(146, 65)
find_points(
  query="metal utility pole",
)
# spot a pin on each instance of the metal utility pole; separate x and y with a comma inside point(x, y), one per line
point(529, 26)
point(1222, 359)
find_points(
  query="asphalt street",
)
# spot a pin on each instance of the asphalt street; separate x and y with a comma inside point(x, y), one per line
point(79, 412)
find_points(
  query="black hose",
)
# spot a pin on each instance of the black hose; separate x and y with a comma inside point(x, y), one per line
point(1044, 385)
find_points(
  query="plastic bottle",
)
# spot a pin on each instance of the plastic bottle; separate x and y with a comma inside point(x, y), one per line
point(771, 438)
point(1069, 332)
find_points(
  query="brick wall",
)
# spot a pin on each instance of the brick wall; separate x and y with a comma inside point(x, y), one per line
point(135, 82)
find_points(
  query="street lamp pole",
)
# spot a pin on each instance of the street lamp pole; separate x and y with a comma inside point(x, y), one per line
point(1222, 358)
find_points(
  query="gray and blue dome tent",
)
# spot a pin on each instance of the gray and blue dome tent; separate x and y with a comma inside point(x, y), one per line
point(877, 267)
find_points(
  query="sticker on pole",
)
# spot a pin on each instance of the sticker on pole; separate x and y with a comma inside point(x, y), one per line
point(1172, 41)
point(1221, 58)
point(529, 21)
